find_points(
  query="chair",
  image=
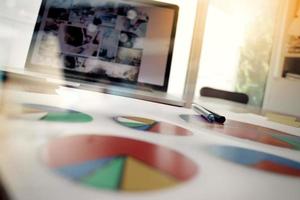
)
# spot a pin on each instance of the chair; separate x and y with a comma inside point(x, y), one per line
point(222, 94)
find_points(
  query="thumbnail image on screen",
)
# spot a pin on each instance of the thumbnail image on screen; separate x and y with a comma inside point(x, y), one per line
point(115, 40)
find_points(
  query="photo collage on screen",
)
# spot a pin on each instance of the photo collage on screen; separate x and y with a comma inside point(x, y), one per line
point(94, 38)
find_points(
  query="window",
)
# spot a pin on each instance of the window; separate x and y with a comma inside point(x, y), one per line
point(237, 46)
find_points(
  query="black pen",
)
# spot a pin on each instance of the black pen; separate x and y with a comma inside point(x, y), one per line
point(204, 113)
point(218, 118)
point(3, 192)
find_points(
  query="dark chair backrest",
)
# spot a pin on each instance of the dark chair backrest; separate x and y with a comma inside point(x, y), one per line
point(222, 94)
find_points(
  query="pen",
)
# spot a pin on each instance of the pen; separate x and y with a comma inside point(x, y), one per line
point(218, 118)
point(204, 113)
point(3, 193)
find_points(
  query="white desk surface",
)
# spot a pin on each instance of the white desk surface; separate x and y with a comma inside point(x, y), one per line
point(28, 179)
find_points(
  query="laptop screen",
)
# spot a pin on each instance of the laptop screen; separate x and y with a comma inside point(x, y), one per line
point(110, 41)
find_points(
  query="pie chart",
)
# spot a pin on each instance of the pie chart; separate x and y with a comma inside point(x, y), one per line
point(118, 164)
point(150, 125)
point(52, 114)
point(248, 132)
point(257, 160)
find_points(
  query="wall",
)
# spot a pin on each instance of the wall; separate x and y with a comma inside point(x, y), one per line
point(282, 95)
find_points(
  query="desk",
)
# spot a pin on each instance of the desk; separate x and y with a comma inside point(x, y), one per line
point(225, 106)
point(28, 177)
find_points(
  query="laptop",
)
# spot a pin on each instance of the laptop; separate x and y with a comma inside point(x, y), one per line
point(116, 42)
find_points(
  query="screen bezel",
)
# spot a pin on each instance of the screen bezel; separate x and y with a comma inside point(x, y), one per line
point(74, 76)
